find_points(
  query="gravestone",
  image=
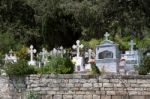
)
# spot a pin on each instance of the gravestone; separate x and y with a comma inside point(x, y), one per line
point(31, 51)
point(62, 51)
point(131, 57)
point(78, 59)
point(107, 55)
point(44, 55)
point(90, 55)
point(11, 57)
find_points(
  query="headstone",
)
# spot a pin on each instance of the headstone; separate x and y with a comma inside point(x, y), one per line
point(44, 55)
point(31, 51)
point(131, 43)
point(11, 57)
point(131, 57)
point(62, 51)
point(90, 55)
point(54, 52)
point(107, 55)
point(78, 59)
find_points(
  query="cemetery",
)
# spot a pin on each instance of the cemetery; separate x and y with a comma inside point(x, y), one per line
point(74, 49)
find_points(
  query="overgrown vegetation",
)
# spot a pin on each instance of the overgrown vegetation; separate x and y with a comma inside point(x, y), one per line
point(95, 69)
point(144, 67)
point(19, 68)
point(58, 65)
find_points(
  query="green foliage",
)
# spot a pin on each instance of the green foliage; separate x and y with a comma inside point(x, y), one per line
point(58, 65)
point(19, 68)
point(95, 69)
point(32, 95)
point(144, 68)
point(62, 22)
point(91, 43)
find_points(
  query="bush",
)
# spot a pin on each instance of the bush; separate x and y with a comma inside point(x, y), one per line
point(144, 67)
point(58, 65)
point(95, 70)
point(19, 68)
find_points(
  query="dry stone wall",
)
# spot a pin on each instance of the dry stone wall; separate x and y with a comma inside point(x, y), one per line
point(89, 86)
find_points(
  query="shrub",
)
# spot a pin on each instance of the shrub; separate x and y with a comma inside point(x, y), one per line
point(19, 68)
point(144, 67)
point(95, 70)
point(32, 95)
point(58, 65)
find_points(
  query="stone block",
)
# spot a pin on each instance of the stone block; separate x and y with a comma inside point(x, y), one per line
point(67, 97)
point(87, 85)
point(97, 84)
point(110, 93)
point(114, 80)
point(96, 97)
point(104, 80)
point(107, 84)
point(87, 97)
point(93, 81)
point(100, 92)
point(78, 85)
point(57, 97)
point(51, 92)
point(144, 85)
point(105, 97)
point(48, 97)
point(78, 97)
point(80, 92)
point(133, 81)
point(133, 92)
point(69, 85)
point(147, 97)
point(142, 81)
point(116, 97)
point(73, 81)
point(137, 97)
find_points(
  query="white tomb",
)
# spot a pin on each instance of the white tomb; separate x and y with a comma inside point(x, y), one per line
point(31, 51)
point(78, 59)
point(107, 56)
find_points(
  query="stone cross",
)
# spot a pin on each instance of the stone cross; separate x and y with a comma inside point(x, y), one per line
point(54, 52)
point(62, 51)
point(131, 43)
point(11, 53)
point(31, 51)
point(78, 46)
point(43, 54)
point(106, 35)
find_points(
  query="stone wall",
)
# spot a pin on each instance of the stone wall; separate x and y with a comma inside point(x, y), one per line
point(5, 88)
point(89, 86)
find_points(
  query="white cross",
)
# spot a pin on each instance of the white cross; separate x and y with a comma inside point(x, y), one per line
point(11, 53)
point(62, 51)
point(43, 54)
point(31, 51)
point(131, 43)
point(106, 35)
point(78, 46)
